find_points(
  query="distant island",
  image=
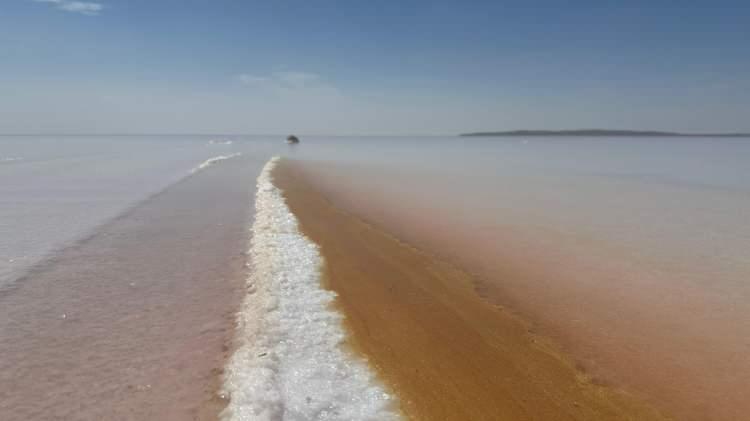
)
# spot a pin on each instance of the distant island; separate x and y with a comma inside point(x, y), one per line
point(602, 132)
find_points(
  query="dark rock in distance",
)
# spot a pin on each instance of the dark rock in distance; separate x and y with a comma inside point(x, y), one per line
point(292, 139)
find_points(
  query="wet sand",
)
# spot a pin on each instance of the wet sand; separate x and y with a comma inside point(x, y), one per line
point(136, 321)
point(445, 352)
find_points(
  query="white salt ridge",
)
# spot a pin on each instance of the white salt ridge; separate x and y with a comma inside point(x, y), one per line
point(290, 364)
point(212, 161)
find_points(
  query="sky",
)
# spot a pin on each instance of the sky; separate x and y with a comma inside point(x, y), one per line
point(372, 67)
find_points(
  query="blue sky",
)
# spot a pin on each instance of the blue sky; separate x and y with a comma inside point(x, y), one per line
point(376, 67)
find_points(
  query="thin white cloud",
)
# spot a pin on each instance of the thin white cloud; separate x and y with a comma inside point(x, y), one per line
point(297, 79)
point(248, 79)
point(83, 7)
point(285, 80)
point(287, 93)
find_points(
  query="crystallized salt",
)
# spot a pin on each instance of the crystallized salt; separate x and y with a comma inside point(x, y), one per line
point(290, 364)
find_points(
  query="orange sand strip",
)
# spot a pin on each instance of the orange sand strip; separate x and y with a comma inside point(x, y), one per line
point(445, 352)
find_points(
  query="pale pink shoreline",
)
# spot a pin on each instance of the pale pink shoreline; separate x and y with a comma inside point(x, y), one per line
point(676, 344)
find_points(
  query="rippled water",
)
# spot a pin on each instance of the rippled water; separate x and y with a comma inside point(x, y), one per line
point(54, 190)
point(133, 267)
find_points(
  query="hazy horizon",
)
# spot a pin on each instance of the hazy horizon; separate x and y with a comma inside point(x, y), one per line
point(473, 133)
point(423, 68)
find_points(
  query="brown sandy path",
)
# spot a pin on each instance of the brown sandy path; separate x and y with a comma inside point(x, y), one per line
point(446, 353)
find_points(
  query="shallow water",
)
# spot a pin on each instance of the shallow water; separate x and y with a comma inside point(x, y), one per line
point(57, 189)
point(120, 271)
point(124, 308)
point(632, 253)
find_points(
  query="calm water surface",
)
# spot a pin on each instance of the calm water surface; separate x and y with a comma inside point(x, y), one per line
point(633, 253)
point(120, 271)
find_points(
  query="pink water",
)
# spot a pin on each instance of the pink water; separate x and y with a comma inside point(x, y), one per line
point(135, 321)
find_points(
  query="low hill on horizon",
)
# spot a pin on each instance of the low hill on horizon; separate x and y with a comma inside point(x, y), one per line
point(602, 132)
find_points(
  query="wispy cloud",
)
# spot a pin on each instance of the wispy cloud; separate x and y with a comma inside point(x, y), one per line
point(247, 79)
point(285, 80)
point(288, 93)
point(297, 79)
point(83, 7)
